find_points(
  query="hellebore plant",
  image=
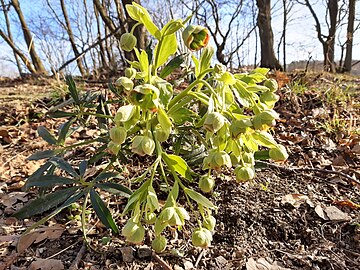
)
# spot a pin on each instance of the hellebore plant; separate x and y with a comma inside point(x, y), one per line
point(220, 120)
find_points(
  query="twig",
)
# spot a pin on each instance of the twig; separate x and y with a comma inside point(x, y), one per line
point(163, 264)
point(79, 256)
point(294, 169)
point(199, 258)
point(61, 251)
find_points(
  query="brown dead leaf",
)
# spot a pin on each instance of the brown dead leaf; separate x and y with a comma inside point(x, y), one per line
point(296, 200)
point(347, 203)
point(46, 264)
point(10, 199)
point(320, 211)
point(39, 235)
point(262, 264)
point(335, 214)
point(339, 161)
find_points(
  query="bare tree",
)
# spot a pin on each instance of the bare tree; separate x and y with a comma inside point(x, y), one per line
point(349, 37)
point(268, 58)
point(36, 61)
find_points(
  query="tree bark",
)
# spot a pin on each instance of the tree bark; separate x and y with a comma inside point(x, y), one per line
point(71, 38)
point(349, 40)
point(29, 40)
point(268, 58)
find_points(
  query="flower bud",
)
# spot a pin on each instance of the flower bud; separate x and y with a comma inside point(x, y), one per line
point(130, 73)
point(244, 174)
point(134, 232)
point(195, 37)
point(209, 223)
point(161, 134)
point(269, 98)
point(217, 159)
point(214, 121)
point(201, 237)
point(159, 244)
point(124, 84)
point(128, 42)
point(143, 145)
point(206, 183)
point(238, 127)
point(219, 68)
point(114, 147)
point(271, 84)
point(146, 96)
point(118, 135)
point(279, 153)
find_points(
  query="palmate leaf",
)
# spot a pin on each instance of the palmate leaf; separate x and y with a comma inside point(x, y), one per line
point(167, 48)
point(102, 211)
point(64, 131)
point(45, 203)
point(172, 65)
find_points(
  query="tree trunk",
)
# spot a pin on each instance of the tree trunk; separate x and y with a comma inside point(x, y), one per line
point(29, 40)
point(268, 58)
point(71, 38)
point(102, 59)
point(349, 40)
point(330, 40)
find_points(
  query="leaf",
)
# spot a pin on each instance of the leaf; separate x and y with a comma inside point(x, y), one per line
point(61, 114)
point(43, 154)
point(62, 164)
point(115, 188)
point(64, 131)
point(144, 63)
point(181, 115)
point(262, 155)
point(72, 89)
point(265, 139)
point(49, 181)
point(46, 135)
point(200, 199)
point(164, 119)
point(171, 66)
point(206, 57)
point(105, 175)
point(82, 167)
point(177, 164)
point(43, 168)
point(44, 203)
point(102, 211)
point(168, 47)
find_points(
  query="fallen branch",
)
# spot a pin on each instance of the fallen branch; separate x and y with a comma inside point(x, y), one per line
point(294, 169)
point(78, 258)
point(163, 264)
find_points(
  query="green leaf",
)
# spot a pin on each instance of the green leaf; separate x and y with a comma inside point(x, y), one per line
point(115, 188)
point(49, 181)
point(144, 63)
point(43, 168)
point(46, 135)
point(102, 211)
point(262, 155)
point(177, 164)
point(82, 167)
point(64, 131)
point(44, 203)
point(182, 115)
point(171, 66)
point(206, 57)
point(200, 199)
point(164, 119)
point(136, 196)
point(43, 154)
point(197, 65)
point(105, 175)
point(72, 89)
point(61, 114)
point(265, 139)
point(62, 164)
point(168, 47)
point(260, 70)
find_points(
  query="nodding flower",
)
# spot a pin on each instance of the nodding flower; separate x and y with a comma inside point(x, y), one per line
point(195, 37)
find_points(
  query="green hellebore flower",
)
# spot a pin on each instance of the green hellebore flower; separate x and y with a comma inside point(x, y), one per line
point(114, 147)
point(143, 145)
point(159, 244)
point(279, 153)
point(201, 237)
point(174, 216)
point(265, 119)
point(248, 158)
point(214, 122)
point(146, 96)
point(128, 42)
point(118, 135)
point(206, 183)
point(244, 174)
point(209, 223)
point(124, 84)
point(195, 37)
point(217, 159)
point(134, 232)
point(130, 73)
point(238, 127)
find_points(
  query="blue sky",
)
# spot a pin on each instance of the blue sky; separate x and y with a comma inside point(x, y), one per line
point(301, 35)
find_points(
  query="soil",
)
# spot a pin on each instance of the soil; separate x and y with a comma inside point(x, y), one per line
point(301, 214)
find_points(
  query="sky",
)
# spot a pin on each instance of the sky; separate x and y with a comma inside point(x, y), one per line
point(301, 35)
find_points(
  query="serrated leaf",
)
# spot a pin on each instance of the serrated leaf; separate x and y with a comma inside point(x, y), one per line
point(178, 164)
point(43, 154)
point(62, 164)
point(43, 168)
point(72, 89)
point(45, 203)
point(46, 135)
point(171, 66)
point(102, 211)
point(49, 181)
point(115, 188)
point(200, 199)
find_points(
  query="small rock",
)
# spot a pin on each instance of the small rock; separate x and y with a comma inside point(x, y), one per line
point(177, 267)
point(144, 252)
point(188, 265)
point(127, 254)
point(335, 214)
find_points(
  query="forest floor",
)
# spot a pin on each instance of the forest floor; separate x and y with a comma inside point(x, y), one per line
point(301, 214)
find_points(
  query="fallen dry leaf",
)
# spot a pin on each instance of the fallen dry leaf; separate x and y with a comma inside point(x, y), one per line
point(347, 203)
point(39, 235)
point(262, 264)
point(296, 200)
point(335, 214)
point(320, 211)
point(46, 264)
